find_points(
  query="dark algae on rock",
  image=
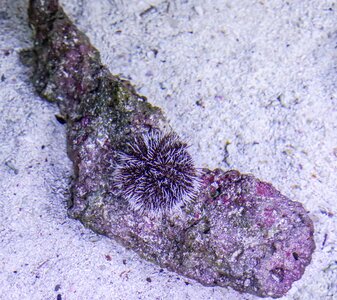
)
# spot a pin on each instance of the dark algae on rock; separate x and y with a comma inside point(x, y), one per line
point(136, 183)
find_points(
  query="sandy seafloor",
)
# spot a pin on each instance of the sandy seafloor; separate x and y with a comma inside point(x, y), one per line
point(250, 84)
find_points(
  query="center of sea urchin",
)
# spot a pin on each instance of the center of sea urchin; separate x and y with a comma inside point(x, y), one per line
point(156, 173)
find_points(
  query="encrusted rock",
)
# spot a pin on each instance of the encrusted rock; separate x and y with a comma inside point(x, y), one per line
point(233, 230)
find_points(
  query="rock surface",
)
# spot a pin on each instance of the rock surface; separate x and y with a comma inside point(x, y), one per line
point(239, 232)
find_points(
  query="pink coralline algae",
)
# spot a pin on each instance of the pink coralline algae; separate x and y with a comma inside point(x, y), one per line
point(230, 230)
point(265, 237)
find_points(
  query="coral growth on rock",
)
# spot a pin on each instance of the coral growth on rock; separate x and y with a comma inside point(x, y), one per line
point(237, 232)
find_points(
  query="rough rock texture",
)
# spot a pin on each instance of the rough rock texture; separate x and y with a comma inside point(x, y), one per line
point(240, 232)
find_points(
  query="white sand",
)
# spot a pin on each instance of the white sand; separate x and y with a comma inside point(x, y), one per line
point(264, 76)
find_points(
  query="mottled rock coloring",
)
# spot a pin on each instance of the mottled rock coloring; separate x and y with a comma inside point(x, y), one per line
point(235, 232)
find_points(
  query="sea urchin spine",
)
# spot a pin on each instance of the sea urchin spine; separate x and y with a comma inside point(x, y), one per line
point(156, 173)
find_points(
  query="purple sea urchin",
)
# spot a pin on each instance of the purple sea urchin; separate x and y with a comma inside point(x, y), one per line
point(156, 173)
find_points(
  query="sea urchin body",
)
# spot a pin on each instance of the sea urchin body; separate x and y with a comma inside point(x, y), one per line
point(156, 173)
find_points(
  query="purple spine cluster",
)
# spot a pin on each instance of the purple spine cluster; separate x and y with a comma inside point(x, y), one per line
point(156, 173)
